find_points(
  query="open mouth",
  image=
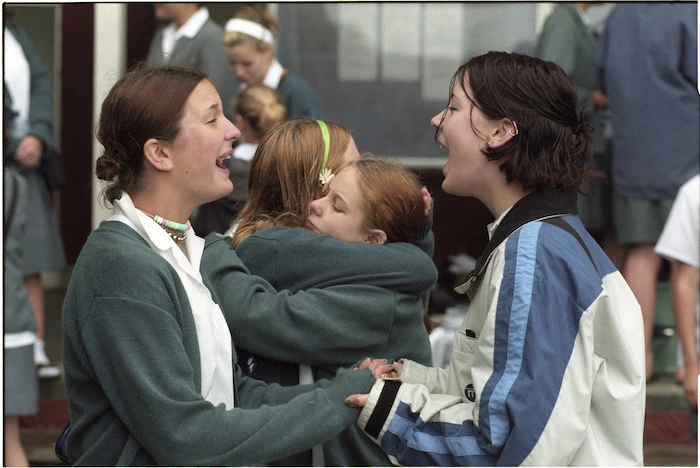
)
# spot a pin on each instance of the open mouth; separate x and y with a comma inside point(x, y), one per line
point(220, 161)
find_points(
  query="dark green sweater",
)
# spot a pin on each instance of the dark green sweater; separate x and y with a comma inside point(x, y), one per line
point(132, 371)
point(361, 300)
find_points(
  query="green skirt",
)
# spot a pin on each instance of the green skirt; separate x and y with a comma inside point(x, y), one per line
point(639, 221)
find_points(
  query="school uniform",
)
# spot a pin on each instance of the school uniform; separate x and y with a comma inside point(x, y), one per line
point(198, 44)
point(150, 374)
point(360, 300)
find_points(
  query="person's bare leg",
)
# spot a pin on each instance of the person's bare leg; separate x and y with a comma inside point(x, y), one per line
point(35, 289)
point(14, 450)
point(614, 250)
point(641, 273)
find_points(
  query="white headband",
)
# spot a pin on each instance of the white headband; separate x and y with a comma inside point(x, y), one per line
point(250, 28)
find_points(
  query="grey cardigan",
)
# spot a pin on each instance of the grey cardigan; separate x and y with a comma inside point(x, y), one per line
point(204, 52)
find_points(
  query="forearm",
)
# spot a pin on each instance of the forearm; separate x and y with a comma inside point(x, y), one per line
point(326, 261)
point(442, 429)
point(684, 296)
point(434, 378)
point(275, 324)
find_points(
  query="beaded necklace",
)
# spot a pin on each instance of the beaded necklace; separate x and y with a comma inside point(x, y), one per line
point(167, 224)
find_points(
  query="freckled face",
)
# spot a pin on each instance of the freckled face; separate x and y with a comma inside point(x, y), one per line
point(247, 63)
point(341, 213)
point(204, 141)
point(467, 170)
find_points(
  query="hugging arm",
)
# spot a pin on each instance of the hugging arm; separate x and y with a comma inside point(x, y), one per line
point(297, 259)
point(306, 326)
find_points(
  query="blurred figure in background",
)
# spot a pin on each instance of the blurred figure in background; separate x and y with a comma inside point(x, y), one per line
point(257, 110)
point(20, 377)
point(680, 244)
point(249, 44)
point(192, 39)
point(648, 64)
point(568, 39)
point(28, 128)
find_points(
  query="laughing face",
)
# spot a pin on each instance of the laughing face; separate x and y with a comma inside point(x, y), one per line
point(203, 143)
point(464, 130)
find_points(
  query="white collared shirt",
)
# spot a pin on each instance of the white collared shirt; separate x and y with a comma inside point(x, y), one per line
point(189, 29)
point(585, 18)
point(491, 228)
point(213, 335)
point(272, 77)
point(17, 79)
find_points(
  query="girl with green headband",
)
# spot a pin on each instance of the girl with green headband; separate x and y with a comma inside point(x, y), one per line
point(355, 298)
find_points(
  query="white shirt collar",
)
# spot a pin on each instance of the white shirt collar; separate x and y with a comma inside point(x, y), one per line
point(194, 24)
point(125, 211)
point(272, 77)
point(190, 29)
point(491, 228)
point(215, 348)
point(584, 17)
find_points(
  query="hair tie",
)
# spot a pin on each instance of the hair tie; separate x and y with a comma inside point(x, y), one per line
point(578, 127)
point(326, 174)
point(250, 28)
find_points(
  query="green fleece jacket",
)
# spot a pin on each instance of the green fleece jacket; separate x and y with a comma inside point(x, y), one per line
point(361, 300)
point(132, 372)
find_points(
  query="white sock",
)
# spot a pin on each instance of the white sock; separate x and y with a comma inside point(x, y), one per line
point(40, 357)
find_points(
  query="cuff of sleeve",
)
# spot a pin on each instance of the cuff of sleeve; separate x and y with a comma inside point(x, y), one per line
point(412, 372)
point(213, 238)
point(380, 405)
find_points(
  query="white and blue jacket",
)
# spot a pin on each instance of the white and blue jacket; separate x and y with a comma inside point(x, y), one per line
point(547, 367)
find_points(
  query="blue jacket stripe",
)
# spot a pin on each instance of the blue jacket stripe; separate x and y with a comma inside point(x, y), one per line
point(517, 328)
point(415, 442)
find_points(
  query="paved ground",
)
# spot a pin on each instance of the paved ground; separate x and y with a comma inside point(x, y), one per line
point(666, 442)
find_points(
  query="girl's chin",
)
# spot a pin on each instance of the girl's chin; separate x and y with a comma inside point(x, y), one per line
point(225, 190)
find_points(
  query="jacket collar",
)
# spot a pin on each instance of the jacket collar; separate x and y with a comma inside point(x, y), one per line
point(535, 206)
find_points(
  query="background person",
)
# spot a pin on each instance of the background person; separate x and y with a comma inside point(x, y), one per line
point(29, 135)
point(149, 361)
point(21, 386)
point(258, 110)
point(680, 244)
point(569, 40)
point(553, 340)
point(648, 64)
point(192, 39)
point(249, 44)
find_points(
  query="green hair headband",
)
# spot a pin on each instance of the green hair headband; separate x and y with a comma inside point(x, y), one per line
point(326, 174)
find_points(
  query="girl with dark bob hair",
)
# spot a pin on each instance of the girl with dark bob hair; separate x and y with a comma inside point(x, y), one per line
point(548, 366)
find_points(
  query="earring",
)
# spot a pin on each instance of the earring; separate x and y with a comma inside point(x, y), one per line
point(513, 131)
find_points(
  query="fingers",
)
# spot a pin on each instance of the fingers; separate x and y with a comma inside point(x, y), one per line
point(357, 401)
point(397, 367)
point(379, 368)
point(364, 364)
